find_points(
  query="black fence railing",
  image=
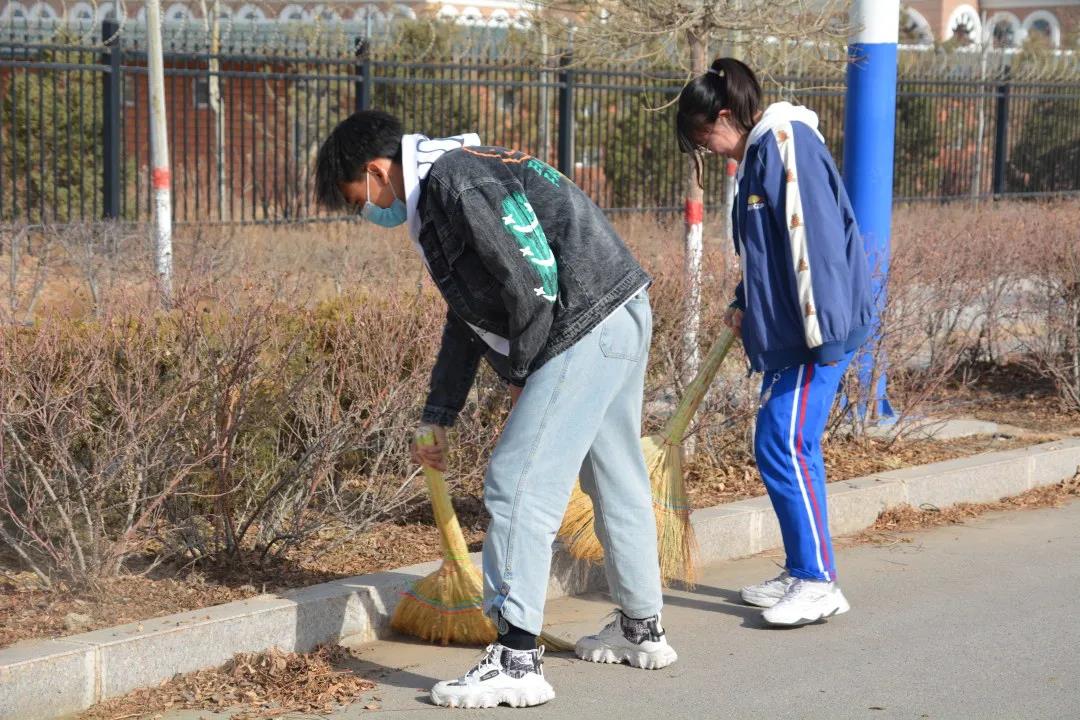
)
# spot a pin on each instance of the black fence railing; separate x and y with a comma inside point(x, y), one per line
point(74, 129)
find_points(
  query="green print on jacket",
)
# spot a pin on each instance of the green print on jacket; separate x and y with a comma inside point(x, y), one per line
point(520, 219)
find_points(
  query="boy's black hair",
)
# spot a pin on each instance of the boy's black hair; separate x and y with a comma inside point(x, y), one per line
point(354, 143)
point(728, 85)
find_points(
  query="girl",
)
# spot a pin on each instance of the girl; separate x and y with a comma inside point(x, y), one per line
point(803, 307)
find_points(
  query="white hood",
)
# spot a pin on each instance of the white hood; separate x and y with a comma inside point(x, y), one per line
point(417, 155)
point(778, 114)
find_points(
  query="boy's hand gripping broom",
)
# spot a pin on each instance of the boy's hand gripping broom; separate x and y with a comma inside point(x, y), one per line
point(663, 458)
point(447, 606)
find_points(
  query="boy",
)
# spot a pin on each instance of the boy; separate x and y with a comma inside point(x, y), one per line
point(536, 280)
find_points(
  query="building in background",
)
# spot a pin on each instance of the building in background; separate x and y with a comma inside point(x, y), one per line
point(491, 13)
point(1003, 24)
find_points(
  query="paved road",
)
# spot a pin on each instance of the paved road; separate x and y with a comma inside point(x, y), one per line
point(973, 621)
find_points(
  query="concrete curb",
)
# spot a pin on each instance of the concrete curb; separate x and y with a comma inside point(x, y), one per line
point(41, 680)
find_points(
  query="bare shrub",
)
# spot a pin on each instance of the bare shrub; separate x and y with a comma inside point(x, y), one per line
point(27, 271)
point(92, 443)
point(277, 397)
point(1044, 315)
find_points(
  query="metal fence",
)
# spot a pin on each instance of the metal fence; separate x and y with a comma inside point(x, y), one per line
point(74, 135)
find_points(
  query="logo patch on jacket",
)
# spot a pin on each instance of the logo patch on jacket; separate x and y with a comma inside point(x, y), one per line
point(754, 202)
point(521, 222)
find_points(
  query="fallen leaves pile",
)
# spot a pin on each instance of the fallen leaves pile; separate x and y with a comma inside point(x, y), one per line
point(906, 518)
point(261, 685)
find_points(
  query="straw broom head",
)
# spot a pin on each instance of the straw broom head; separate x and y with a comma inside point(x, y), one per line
point(675, 541)
point(676, 544)
point(447, 605)
point(671, 506)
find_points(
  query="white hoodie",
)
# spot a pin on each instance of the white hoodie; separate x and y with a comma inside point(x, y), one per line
point(418, 154)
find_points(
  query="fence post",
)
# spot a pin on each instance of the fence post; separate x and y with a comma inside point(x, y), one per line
point(111, 109)
point(566, 117)
point(363, 74)
point(1001, 136)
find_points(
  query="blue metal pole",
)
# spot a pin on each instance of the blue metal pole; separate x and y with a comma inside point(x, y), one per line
point(869, 132)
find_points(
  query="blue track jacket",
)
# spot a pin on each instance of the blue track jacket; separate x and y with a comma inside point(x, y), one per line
point(805, 290)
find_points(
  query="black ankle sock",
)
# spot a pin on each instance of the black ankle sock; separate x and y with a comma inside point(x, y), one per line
point(517, 639)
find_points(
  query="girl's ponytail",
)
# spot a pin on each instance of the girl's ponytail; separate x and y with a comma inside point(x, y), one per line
point(727, 85)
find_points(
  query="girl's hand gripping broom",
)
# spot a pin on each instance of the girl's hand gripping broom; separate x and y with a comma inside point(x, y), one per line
point(663, 458)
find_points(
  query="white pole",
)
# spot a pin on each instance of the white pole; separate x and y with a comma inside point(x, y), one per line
point(161, 177)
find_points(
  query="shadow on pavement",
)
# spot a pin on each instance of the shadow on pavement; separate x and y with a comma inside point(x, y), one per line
point(727, 601)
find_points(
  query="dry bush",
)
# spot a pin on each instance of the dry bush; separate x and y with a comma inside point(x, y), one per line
point(94, 442)
point(970, 288)
point(1044, 313)
point(279, 393)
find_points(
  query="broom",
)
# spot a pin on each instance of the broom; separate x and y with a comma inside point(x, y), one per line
point(663, 460)
point(447, 605)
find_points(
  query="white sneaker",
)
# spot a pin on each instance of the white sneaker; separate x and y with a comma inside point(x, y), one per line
point(502, 677)
point(768, 593)
point(642, 643)
point(807, 601)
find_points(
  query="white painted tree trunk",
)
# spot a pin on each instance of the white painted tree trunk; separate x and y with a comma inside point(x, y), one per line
point(212, 25)
point(694, 220)
point(161, 178)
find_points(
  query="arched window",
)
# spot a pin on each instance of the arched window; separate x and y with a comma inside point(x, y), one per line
point(81, 12)
point(404, 11)
point(471, 16)
point(291, 13)
point(1003, 30)
point(914, 29)
point(14, 11)
point(178, 13)
point(326, 14)
point(1044, 25)
point(42, 11)
point(964, 26)
point(250, 13)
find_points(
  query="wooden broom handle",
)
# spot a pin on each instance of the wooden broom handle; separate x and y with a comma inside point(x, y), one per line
point(453, 540)
point(695, 392)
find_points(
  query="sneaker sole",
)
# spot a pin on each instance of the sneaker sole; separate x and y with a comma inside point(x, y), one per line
point(636, 658)
point(513, 698)
point(841, 608)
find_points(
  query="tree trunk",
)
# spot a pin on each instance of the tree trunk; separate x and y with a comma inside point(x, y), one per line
point(212, 25)
point(694, 218)
point(161, 174)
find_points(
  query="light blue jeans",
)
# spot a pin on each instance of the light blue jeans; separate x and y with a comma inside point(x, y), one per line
point(578, 416)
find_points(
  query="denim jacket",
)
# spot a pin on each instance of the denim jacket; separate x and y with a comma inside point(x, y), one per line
point(523, 258)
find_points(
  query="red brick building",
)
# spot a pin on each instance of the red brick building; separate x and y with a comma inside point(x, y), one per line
point(1001, 23)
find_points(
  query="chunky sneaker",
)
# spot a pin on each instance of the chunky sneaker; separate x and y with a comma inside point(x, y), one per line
point(503, 676)
point(807, 601)
point(642, 643)
point(768, 593)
